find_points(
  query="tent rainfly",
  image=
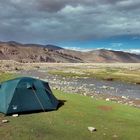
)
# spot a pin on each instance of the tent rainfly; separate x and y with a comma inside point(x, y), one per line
point(26, 94)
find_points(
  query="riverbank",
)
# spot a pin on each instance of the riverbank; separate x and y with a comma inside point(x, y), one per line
point(77, 78)
point(124, 72)
point(120, 92)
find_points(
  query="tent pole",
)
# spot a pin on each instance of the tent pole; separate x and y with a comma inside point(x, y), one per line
point(38, 100)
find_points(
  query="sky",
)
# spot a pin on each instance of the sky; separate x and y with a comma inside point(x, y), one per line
point(75, 24)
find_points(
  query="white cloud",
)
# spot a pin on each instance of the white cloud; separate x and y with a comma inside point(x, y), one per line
point(116, 44)
point(135, 51)
point(78, 49)
point(70, 9)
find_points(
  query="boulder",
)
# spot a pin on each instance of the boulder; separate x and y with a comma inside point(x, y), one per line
point(5, 121)
point(92, 129)
point(107, 99)
point(15, 115)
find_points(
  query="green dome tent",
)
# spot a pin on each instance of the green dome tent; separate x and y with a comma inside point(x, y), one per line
point(26, 94)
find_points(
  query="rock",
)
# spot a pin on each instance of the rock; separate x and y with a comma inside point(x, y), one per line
point(15, 115)
point(5, 121)
point(104, 87)
point(91, 84)
point(119, 102)
point(85, 94)
point(113, 99)
point(92, 129)
point(124, 97)
point(112, 88)
point(107, 99)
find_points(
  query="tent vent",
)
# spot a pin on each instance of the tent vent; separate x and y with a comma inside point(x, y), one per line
point(29, 86)
point(14, 107)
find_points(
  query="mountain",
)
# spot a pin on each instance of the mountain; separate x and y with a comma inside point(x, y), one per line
point(50, 53)
point(34, 53)
point(103, 55)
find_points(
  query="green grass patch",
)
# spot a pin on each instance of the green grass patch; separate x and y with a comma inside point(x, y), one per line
point(114, 74)
point(66, 74)
point(113, 121)
point(6, 76)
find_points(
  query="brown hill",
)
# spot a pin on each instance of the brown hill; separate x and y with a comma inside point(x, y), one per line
point(34, 53)
point(49, 53)
point(112, 56)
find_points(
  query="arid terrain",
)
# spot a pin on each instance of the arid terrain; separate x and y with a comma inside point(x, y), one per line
point(50, 53)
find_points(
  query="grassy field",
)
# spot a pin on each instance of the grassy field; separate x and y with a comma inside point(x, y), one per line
point(6, 76)
point(105, 72)
point(126, 72)
point(70, 121)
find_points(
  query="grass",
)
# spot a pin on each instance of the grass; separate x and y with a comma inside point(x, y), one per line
point(113, 121)
point(114, 74)
point(126, 72)
point(6, 76)
point(70, 121)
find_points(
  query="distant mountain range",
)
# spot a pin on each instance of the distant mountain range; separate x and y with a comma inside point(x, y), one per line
point(50, 53)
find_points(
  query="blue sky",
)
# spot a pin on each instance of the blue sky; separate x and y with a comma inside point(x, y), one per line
point(124, 43)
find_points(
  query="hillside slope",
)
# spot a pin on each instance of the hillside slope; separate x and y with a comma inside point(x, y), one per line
point(49, 53)
point(34, 53)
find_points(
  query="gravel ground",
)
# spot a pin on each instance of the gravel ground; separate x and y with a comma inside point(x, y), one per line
point(120, 92)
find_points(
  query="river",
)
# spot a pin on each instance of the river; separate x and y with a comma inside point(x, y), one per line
point(92, 85)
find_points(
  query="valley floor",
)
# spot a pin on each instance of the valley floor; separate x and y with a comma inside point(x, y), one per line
point(126, 72)
point(113, 121)
point(119, 82)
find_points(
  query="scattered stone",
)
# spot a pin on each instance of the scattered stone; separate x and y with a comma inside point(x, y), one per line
point(119, 102)
point(113, 99)
point(92, 84)
point(92, 129)
point(130, 102)
point(15, 115)
point(112, 88)
point(5, 121)
point(104, 87)
point(85, 94)
point(107, 99)
point(72, 85)
point(124, 97)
